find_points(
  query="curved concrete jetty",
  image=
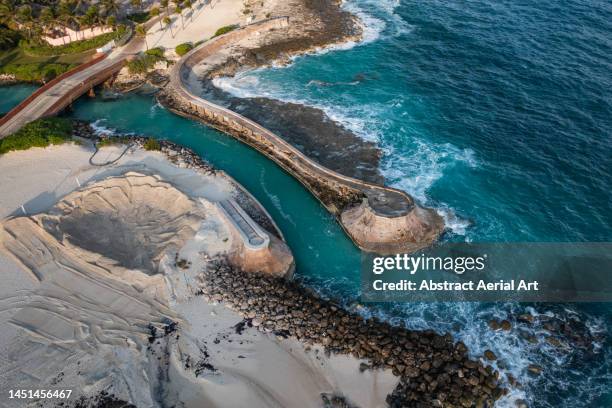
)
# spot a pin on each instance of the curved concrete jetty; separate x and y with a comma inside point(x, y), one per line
point(377, 218)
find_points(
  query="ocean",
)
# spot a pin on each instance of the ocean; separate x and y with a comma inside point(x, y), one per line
point(497, 114)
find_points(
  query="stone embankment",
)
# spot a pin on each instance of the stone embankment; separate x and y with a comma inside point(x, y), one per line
point(377, 218)
point(434, 371)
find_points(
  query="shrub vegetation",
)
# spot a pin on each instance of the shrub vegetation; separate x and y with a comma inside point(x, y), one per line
point(152, 144)
point(156, 52)
point(183, 48)
point(8, 38)
point(40, 133)
point(140, 17)
point(225, 29)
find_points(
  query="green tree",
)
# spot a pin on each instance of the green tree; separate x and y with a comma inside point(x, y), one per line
point(25, 18)
point(111, 7)
point(67, 17)
point(8, 38)
point(111, 21)
point(179, 10)
point(92, 16)
point(47, 19)
point(7, 11)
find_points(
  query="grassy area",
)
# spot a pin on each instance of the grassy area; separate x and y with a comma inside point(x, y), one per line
point(40, 133)
point(225, 29)
point(17, 56)
point(75, 47)
point(35, 72)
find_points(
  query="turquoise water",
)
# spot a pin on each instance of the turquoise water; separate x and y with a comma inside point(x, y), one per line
point(305, 224)
point(498, 114)
point(12, 95)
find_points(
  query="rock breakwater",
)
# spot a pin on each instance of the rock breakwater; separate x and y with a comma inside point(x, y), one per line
point(434, 371)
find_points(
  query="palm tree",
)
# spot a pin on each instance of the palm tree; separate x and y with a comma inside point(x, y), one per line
point(179, 10)
point(92, 16)
point(47, 19)
point(111, 21)
point(66, 16)
point(24, 17)
point(188, 3)
point(168, 23)
point(7, 11)
point(164, 4)
point(111, 7)
point(142, 32)
point(154, 12)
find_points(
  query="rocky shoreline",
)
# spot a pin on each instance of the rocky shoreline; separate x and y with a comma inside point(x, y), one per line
point(434, 371)
point(311, 131)
point(314, 24)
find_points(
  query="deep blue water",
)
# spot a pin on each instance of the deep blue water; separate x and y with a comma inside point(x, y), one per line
point(496, 113)
point(499, 115)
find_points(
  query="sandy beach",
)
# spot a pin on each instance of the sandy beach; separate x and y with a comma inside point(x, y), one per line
point(197, 24)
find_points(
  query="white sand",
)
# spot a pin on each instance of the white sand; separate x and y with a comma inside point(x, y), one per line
point(198, 24)
point(78, 318)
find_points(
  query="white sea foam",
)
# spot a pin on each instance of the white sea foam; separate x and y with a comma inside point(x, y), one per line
point(101, 130)
point(361, 120)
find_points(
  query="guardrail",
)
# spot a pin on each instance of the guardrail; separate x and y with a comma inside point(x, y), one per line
point(11, 114)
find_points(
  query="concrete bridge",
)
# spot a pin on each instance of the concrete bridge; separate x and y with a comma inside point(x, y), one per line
point(377, 218)
point(60, 92)
point(56, 95)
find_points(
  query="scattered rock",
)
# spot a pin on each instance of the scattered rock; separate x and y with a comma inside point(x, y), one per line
point(534, 369)
point(489, 355)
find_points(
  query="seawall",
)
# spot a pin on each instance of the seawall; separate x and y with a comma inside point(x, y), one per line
point(377, 218)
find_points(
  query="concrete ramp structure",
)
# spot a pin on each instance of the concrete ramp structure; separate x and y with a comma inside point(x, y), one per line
point(377, 218)
point(259, 251)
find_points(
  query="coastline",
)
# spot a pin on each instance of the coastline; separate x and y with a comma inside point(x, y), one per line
point(276, 318)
